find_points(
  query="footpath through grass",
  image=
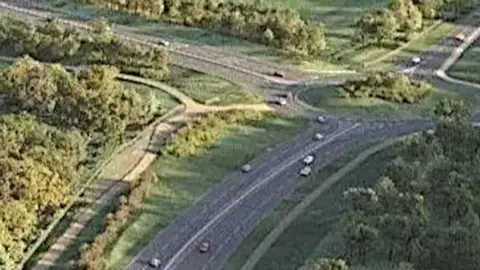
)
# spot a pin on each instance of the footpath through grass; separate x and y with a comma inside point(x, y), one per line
point(184, 181)
point(467, 68)
point(327, 98)
point(210, 90)
point(296, 244)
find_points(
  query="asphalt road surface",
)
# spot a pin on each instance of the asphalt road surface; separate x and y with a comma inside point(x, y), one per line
point(228, 214)
point(231, 210)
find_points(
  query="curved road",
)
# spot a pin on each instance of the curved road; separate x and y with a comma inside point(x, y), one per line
point(232, 209)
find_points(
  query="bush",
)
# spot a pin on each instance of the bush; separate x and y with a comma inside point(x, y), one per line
point(93, 257)
point(55, 42)
point(283, 29)
point(388, 86)
point(196, 137)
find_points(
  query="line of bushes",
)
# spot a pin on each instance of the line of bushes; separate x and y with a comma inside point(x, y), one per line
point(388, 86)
point(94, 255)
point(202, 134)
point(281, 28)
point(55, 42)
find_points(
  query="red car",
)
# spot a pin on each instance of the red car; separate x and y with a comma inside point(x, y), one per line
point(204, 247)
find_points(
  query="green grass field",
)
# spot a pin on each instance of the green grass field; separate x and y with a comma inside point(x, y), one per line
point(296, 244)
point(468, 66)
point(211, 90)
point(4, 65)
point(326, 98)
point(184, 181)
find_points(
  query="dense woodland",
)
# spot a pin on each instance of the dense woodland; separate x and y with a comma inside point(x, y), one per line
point(388, 86)
point(53, 126)
point(281, 28)
point(54, 42)
point(424, 213)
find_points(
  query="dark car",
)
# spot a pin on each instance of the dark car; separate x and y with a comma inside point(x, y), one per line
point(278, 74)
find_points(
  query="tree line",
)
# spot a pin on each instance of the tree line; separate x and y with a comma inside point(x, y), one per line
point(388, 86)
point(424, 212)
point(55, 42)
point(280, 28)
point(405, 17)
point(53, 127)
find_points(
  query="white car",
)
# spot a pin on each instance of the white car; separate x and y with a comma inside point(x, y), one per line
point(317, 136)
point(308, 160)
point(416, 60)
point(430, 131)
point(460, 37)
point(163, 43)
point(306, 171)
point(246, 168)
point(321, 119)
point(282, 102)
point(155, 263)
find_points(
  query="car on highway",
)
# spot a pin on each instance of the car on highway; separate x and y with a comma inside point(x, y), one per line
point(278, 74)
point(416, 60)
point(460, 37)
point(246, 168)
point(308, 159)
point(163, 42)
point(282, 102)
point(204, 247)
point(321, 119)
point(430, 131)
point(155, 263)
point(317, 136)
point(306, 171)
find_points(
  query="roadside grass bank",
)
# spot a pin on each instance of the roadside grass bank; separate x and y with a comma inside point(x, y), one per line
point(294, 245)
point(327, 98)
point(210, 90)
point(467, 68)
point(182, 181)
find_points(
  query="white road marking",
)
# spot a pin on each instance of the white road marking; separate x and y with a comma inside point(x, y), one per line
point(171, 262)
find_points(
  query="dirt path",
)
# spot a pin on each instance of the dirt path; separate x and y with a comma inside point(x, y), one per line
point(123, 168)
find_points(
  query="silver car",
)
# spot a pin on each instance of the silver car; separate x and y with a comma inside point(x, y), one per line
point(155, 263)
point(306, 171)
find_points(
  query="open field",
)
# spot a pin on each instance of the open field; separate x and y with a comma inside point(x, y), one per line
point(4, 64)
point(210, 90)
point(468, 66)
point(184, 181)
point(326, 98)
point(295, 245)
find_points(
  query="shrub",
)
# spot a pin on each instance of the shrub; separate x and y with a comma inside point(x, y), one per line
point(388, 86)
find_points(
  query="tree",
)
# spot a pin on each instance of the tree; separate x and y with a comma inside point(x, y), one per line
point(328, 264)
point(407, 15)
point(377, 27)
point(430, 8)
point(452, 110)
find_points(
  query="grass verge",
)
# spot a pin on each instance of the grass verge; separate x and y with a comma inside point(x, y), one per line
point(467, 68)
point(294, 245)
point(184, 181)
point(210, 90)
point(326, 98)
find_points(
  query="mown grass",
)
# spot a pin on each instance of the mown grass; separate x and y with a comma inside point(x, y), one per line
point(300, 240)
point(209, 89)
point(327, 98)
point(184, 181)
point(468, 66)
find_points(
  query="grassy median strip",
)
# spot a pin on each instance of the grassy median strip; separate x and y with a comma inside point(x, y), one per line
point(182, 181)
point(467, 68)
